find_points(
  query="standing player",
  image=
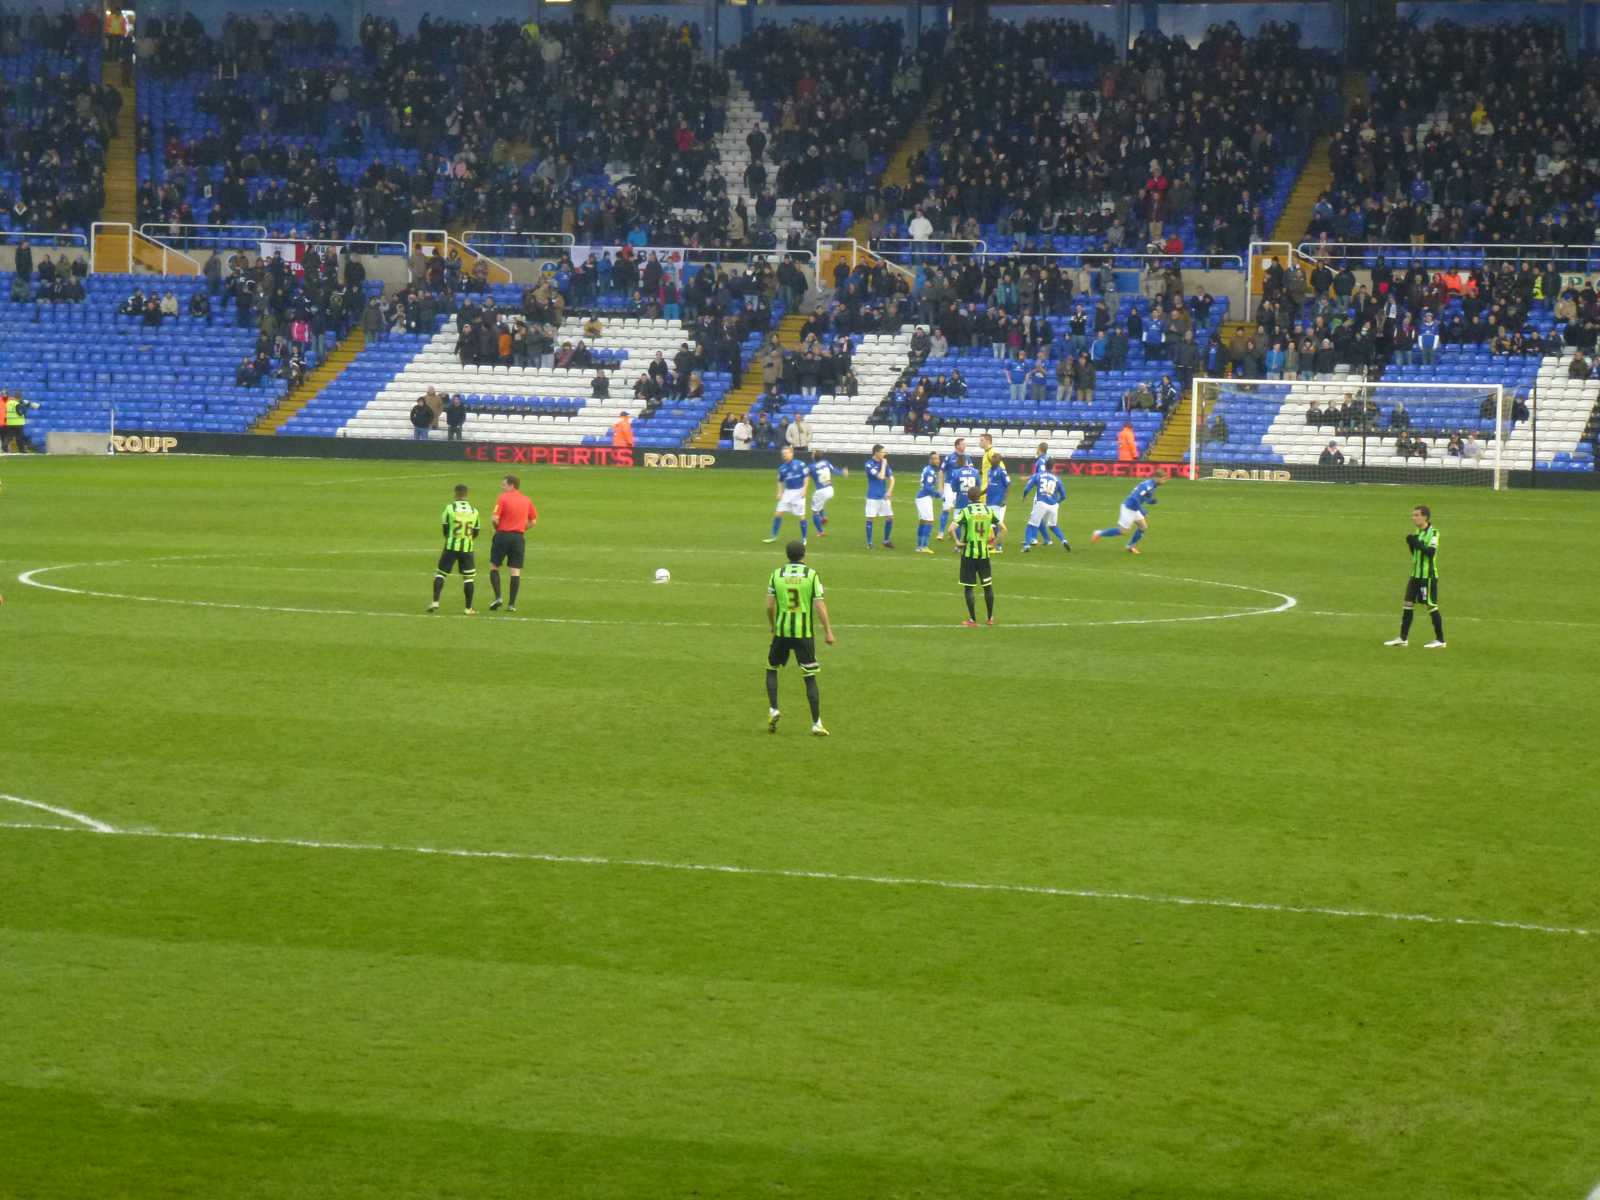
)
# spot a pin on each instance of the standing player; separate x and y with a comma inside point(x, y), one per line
point(927, 492)
point(1423, 586)
point(513, 514)
point(965, 479)
point(1132, 514)
point(1041, 459)
point(794, 605)
point(952, 463)
point(821, 490)
point(792, 480)
point(975, 529)
point(999, 487)
point(461, 527)
point(1048, 492)
point(880, 495)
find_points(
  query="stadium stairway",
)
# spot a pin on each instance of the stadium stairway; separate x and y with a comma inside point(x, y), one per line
point(121, 182)
point(1172, 443)
point(743, 398)
point(897, 173)
point(1316, 176)
point(340, 357)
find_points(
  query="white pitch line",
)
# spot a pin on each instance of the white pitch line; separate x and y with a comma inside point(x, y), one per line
point(85, 822)
point(896, 881)
point(30, 578)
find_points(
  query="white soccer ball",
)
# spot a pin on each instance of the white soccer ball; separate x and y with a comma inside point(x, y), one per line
point(663, 575)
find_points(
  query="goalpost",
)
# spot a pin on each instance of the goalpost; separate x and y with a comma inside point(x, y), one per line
point(1349, 429)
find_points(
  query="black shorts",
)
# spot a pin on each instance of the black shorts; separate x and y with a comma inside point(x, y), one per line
point(466, 558)
point(1423, 591)
point(508, 548)
point(975, 571)
point(805, 653)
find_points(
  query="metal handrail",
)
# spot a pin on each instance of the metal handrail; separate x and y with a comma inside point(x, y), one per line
point(1513, 252)
point(443, 237)
point(552, 239)
point(163, 229)
point(876, 244)
point(70, 239)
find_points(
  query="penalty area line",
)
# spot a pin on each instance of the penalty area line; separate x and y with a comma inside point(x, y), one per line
point(842, 877)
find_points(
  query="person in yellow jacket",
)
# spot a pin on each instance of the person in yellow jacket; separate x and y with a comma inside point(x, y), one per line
point(16, 423)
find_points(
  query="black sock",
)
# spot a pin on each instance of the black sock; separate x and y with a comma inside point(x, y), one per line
point(516, 586)
point(1438, 624)
point(972, 606)
point(772, 689)
point(814, 698)
point(468, 587)
point(438, 587)
point(988, 599)
point(1405, 622)
point(494, 582)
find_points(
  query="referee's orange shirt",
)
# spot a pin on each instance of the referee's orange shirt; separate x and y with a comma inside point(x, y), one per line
point(512, 512)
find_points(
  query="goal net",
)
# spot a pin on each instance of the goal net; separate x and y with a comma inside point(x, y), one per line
point(1332, 429)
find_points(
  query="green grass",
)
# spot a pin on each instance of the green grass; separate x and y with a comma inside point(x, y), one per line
point(183, 1018)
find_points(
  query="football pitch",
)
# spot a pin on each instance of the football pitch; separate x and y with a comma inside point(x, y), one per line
point(1175, 884)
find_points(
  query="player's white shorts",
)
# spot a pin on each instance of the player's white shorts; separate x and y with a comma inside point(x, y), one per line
point(999, 511)
point(880, 508)
point(1046, 515)
point(925, 508)
point(793, 502)
point(1127, 517)
point(949, 497)
point(820, 498)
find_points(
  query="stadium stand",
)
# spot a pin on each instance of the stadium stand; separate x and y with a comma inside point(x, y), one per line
point(57, 121)
point(1474, 135)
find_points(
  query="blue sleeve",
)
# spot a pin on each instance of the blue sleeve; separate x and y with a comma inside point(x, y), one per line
point(1030, 485)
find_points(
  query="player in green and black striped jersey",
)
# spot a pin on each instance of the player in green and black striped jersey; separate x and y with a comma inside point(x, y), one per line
point(1422, 587)
point(460, 526)
point(794, 607)
point(974, 531)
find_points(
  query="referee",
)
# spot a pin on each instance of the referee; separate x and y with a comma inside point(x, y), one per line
point(513, 514)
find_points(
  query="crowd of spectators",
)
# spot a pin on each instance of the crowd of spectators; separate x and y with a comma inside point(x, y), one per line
point(57, 280)
point(55, 120)
point(1178, 138)
point(1472, 135)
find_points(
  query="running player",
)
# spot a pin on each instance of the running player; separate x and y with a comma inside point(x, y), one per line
point(793, 478)
point(1423, 585)
point(999, 487)
point(927, 493)
point(880, 495)
point(1132, 515)
point(975, 529)
point(794, 605)
point(1048, 492)
point(952, 463)
point(822, 472)
point(461, 527)
point(514, 513)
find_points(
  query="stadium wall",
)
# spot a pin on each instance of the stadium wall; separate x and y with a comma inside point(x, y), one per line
point(487, 453)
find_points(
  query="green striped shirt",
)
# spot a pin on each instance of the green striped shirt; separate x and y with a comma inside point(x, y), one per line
point(460, 526)
point(796, 588)
point(974, 527)
point(1423, 564)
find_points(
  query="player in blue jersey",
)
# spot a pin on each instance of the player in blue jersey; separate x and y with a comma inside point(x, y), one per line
point(964, 480)
point(1041, 460)
point(822, 473)
point(880, 493)
point(1132, 515)
point(999, 486)
point(952, 463)
point(928, 490)
point(793, 477)
point(1048, 492)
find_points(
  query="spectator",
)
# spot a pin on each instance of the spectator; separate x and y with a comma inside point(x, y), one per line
point(1217, 433)
point(743, 433)
point(600, 385)
point(1578, 368)
point(1331, 456)
point(798, 435)
point(421, 420)
point(455, 418)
